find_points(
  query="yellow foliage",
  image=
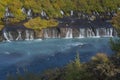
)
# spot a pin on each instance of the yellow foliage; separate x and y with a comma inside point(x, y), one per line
point(38, 23)
point(1, 27)
point(100, 57)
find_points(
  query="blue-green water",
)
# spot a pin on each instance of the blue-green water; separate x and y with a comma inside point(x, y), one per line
point(39, 55)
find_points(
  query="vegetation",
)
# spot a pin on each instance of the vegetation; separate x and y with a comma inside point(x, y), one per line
point(52, 8)
point(38, 23)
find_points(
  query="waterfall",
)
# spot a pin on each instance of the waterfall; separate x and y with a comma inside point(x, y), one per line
point(46, 33)
point(19, 36)
point(69, 33)
point(59, 36)
point(23, 10)
point(71, 12)
point(5, 34)
point(10, 36)
point(29, 12)
point(31, 36)
point(7, 12)
point(90, 33)
point(61, 11)
point(54, 33)
point(27, 35)
point(108, 32)
point(111, 32)
point(97, 33)
point(82, 33)
point(43, 14)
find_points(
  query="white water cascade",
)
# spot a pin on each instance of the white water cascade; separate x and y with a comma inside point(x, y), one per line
point(82, 33)
point(69, 33)
point(43, 14)
point(62, 13)
point(97, 33)
point(90, 33)
point(19, 35)
point(5, 34)
point(111, 32)
point(10, 36)
point(27, 35)
point(71, 13)
point(31, 36)
point(29, 12)
point(54, 34)
point(108, 32)
point(46, 33)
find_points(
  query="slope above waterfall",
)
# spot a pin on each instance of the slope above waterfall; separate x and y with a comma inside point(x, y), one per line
point(84, 23)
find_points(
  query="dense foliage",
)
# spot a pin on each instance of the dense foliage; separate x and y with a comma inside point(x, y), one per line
point(38, 23)
point(53, 8)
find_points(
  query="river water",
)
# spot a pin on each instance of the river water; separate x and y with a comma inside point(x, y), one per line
point(39, 55)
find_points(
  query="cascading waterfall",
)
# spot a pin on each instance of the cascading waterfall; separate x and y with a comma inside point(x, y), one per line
point(46, 33)
point(111, 32)
point(27, 35)
point(10, 36)
point(19, 36)
point(29, 13)
point(65, 32)
point(82, 33)
point(69, 33)
point(90, 33)
point(71, 13)
point(53, 33)
point(108, 32)
point(97, 33)
point(31, 36)
point(5, 34)
point(62, 13)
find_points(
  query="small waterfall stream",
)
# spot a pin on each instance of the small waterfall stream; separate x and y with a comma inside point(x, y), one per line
point(111, 32)
point(69, 33)
point(31, 36)
point(19, 35)
point(5, 34)
point(27, 35)
point(46, 33)
point(97, 33)
point(82, 33)
point(10, 36)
